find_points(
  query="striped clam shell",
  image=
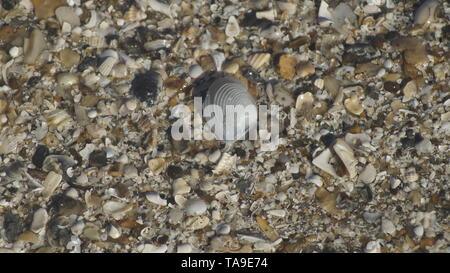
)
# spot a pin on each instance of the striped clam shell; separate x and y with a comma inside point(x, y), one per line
point(228, 91)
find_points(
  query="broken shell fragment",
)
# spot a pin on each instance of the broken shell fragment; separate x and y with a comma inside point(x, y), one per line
point(322, 161)
point(259, 60)
point(50, 184)
point(40, 219)
point(409, 91)
point(116, 209)
point(353, 105)
point(304, 102)
point(156, 165)
point(226, 163)
point(345, 153)
point(368, 175)
point(33, 46)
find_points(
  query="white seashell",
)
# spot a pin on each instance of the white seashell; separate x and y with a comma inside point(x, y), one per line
point(40, 219)
point(92, 20)
point(57, 117)
point(225, 94)
point(68, 15)
point(116, 209)
point(259, 60)
point(91, 79)
point(218, 58)
point(107, 65)
point(315, 179)
point(267, 14)
point(373, 247)
point(195, 207)
point(353, 105)
point(322, 161)
point(345, 153)
point(368, 175)
point(304, 102)
point(324, 17)
point(180, 187)
point(33, 46)
point(114, 232)
point(155, 198)
point(426, 13)
point(110, 53)
point(409, 91)
point(67, 79)
point(50, 184)
point(156, 165)
point(195, 71)
point(232, 28)
point(226, 163)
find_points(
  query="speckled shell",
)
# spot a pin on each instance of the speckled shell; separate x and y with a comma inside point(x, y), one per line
point(230, 91)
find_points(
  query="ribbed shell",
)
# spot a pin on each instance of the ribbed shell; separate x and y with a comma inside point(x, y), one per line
point(230, 91)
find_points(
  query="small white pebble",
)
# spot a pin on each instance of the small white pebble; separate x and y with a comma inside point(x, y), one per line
point(14, 52)
point(388, 63)
point(418, 231)
point(195, 71)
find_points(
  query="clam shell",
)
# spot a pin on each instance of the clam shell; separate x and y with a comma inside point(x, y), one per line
point(107, 65)
point(228, 91)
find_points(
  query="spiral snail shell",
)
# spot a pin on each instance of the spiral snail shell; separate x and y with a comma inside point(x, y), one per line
point(228, 96)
